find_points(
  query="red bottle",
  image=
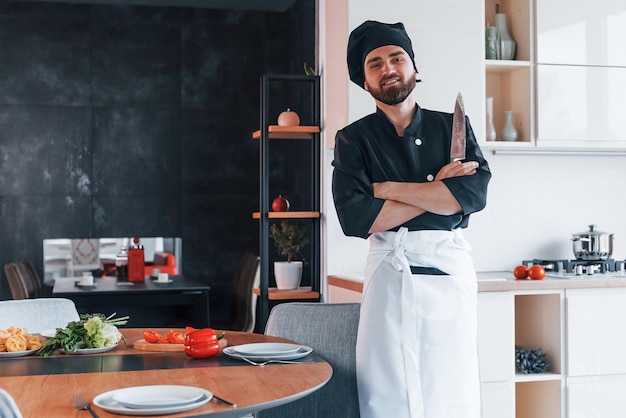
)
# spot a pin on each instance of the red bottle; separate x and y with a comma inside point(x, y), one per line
point(136, 262)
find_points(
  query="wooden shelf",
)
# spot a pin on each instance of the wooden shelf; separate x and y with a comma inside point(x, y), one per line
point(288, 132)
point(274, 293)
point(288, 215)
point(346, 283)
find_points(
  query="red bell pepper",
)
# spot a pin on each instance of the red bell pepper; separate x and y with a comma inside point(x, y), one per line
point(202, 343)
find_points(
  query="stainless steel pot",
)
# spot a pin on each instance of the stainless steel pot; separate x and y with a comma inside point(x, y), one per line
point(592, 244)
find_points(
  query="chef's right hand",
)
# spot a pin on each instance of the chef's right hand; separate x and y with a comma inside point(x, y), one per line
point(457, 169)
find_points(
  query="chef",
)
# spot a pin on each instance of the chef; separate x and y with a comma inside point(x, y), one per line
point(393, 183)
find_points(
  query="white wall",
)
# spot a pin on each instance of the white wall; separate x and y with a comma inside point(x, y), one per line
point(535, 202)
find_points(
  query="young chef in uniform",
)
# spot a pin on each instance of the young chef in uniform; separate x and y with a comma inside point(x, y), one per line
point(394, 183)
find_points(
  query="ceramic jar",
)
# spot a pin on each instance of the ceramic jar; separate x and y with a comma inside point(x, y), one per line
point(508, 133)
point(506, 46)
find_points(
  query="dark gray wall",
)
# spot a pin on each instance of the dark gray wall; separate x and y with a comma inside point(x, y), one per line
point(137, 121)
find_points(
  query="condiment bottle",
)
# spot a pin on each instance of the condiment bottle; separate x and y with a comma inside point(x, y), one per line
point(136, 262)
point(121, 264)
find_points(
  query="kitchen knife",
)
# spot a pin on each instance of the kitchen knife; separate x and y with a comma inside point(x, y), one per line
point(457, 147)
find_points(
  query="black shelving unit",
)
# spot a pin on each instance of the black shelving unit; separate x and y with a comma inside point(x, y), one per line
point(299, 148)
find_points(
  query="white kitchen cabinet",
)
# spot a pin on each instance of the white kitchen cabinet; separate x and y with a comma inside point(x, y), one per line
point(567, 82)
point(597, 397)
point(496, 336)
point(580, 106)
point(587, 32)
point(510, 83)
point(531, 320)
point(596, 332)
point(539, 323)
point(498, 399)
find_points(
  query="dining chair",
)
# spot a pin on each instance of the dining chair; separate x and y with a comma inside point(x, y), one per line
point(33, 283)
point(23, 280)
point(242, 316)
point(330, 329)
point(8, 407)
point(16, 280)
point(37, 315)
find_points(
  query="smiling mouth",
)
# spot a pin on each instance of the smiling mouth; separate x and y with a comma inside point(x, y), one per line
point(390, 81)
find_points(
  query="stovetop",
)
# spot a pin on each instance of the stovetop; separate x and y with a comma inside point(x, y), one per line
point(570, 269)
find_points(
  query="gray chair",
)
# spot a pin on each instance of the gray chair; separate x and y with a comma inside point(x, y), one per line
point(37, 315)
point(8, 407)
point(330, 329)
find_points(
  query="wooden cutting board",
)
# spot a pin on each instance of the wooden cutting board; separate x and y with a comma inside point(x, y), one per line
point(146, 346)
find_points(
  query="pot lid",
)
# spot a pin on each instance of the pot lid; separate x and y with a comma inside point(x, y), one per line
point(591, 231)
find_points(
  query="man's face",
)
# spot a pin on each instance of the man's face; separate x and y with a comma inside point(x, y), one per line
point(389, 74)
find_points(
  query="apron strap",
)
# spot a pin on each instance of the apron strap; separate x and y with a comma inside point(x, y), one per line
point(410, 345)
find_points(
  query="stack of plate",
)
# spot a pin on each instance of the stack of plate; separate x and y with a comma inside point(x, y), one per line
point(268, 351)
point(152, 399)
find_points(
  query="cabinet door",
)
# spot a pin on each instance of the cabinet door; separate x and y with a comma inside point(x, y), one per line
point(596, 320)
point(598, 397)
point(498, 399)
point(576, 104)
point(587, 33)
point(496, 336)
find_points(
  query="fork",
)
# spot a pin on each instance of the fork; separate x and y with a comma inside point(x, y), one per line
point(255, 363)
point(81, 403)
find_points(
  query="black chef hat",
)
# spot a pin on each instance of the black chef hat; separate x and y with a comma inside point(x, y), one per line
point(369, 36)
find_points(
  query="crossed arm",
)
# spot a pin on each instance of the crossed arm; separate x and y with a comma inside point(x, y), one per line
point(404, 201)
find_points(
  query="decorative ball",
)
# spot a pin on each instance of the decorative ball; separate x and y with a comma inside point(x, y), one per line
point(288, 118)
point(280, 204)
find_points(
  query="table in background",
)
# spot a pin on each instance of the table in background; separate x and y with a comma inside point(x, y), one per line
point(186, 300)
point(40, 392)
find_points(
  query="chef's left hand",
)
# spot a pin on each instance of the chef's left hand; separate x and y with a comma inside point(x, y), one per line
point(457, 169)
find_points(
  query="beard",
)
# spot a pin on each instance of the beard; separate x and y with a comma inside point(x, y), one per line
point(393, 95)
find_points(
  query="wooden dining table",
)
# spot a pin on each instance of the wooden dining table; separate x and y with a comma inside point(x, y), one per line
point(44, 386)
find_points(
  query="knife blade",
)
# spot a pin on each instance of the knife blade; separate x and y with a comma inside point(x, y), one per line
point(457, 146)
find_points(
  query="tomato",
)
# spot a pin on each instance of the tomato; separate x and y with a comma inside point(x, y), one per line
point(521, 272)
point(152, 336)
point(202, 343)
point(175, 337)
point(536, 272)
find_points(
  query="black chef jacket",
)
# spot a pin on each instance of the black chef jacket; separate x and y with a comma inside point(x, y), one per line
point(370, 151)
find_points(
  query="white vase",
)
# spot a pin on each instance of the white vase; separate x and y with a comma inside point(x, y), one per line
point(490, 134)
point(287, 274)
point(505, 47)
point(508, 133)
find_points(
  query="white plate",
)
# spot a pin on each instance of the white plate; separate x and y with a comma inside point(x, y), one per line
point(49, 333)
point(90, 350)
point(302, 352)
point(16, 353)
point(162, 396)
point(161, 282)
point(107, 402)
point(267, 349)
point(79, 284)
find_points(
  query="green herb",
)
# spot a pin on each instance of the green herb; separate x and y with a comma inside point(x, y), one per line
point(91, 331)
point(290, 237)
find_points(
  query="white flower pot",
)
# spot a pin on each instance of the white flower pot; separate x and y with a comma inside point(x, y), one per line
point(287, 274)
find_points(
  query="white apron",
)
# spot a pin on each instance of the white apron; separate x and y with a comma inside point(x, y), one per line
point(417, 353)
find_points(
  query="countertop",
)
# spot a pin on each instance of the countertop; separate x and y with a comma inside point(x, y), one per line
point(498, 281)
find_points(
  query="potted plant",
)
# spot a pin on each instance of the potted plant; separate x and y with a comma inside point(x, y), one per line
point(289, 237)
